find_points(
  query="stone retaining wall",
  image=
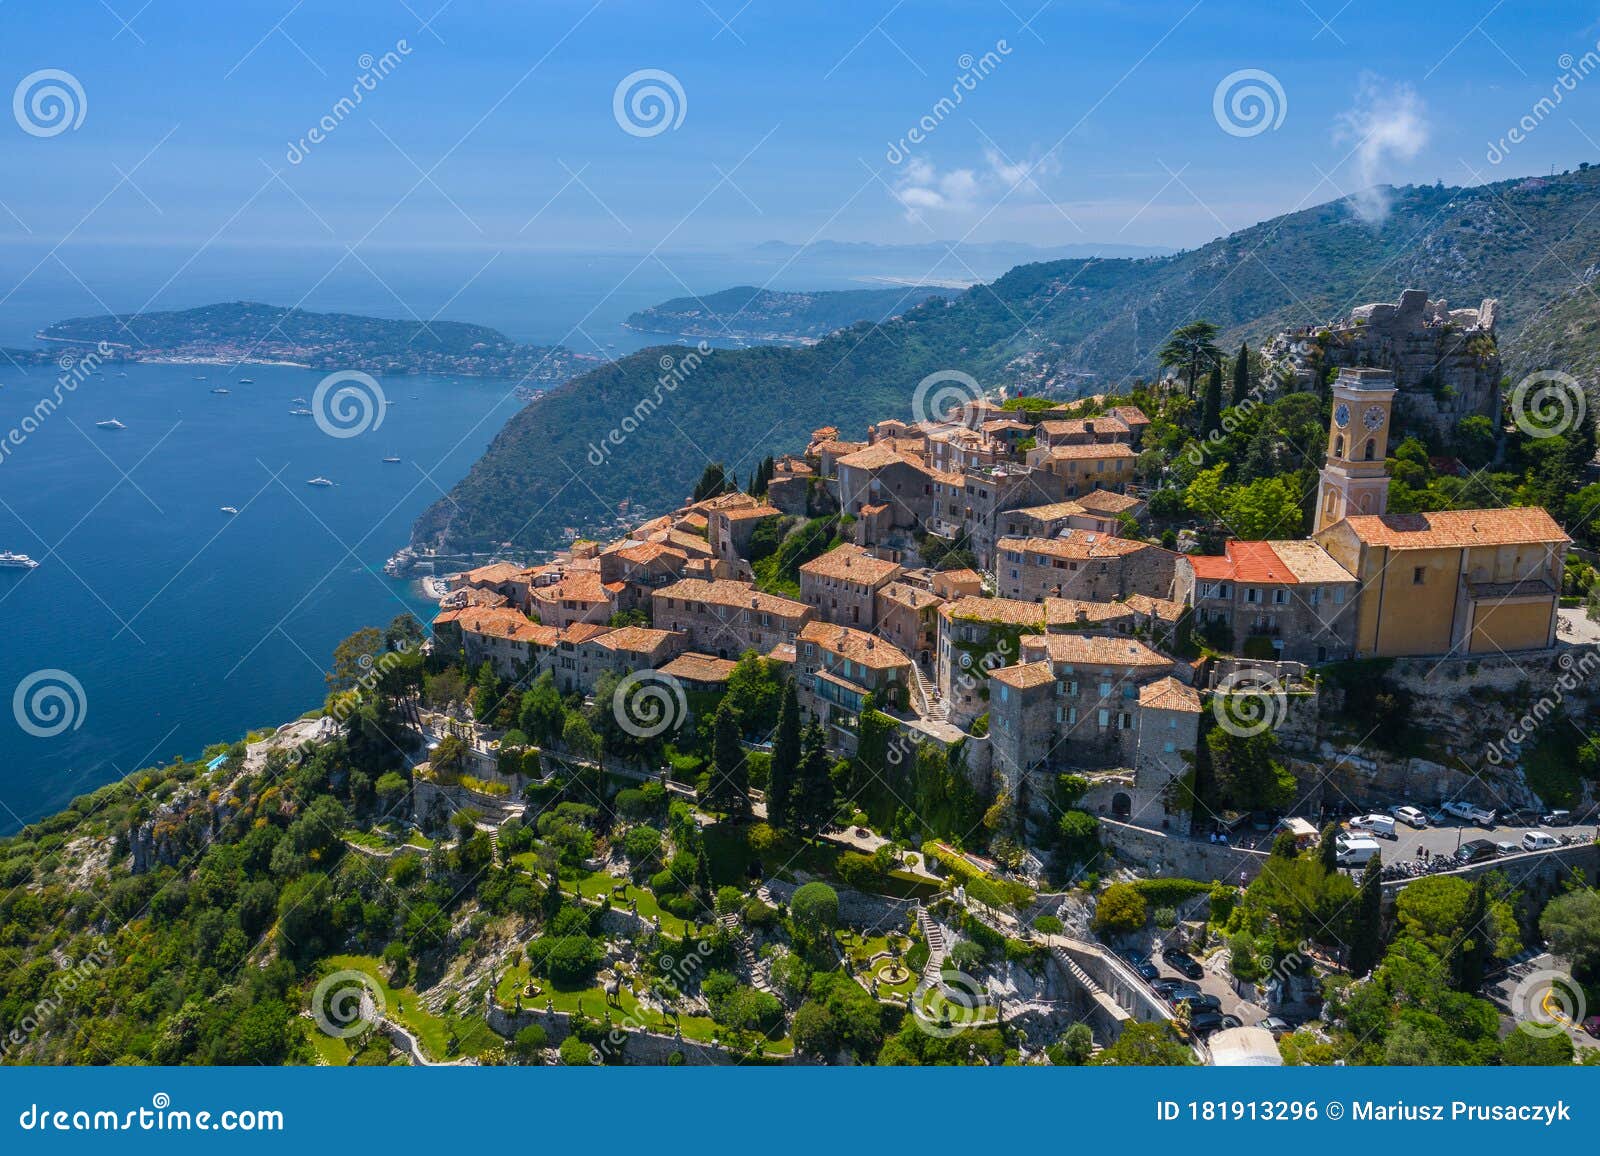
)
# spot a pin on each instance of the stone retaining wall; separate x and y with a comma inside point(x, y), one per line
point(1170, 855)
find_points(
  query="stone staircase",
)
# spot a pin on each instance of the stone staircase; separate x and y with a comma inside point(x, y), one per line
point(934, 934)
point(1071, 967)
point(933, 707)
point(766, 896)
point(746, 953)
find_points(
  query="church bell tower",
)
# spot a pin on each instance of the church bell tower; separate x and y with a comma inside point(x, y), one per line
point(1354, 478)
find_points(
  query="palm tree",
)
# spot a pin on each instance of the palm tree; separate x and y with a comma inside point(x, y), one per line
point(1191, 349)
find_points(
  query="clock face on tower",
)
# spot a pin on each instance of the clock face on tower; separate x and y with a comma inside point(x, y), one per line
point(1372, 417)
point(1341, 415)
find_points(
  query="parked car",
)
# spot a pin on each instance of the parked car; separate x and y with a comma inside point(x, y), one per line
point(1183, 963)
point(1506, 847)
point(1380, 825)
point(1198, 1001)
point(1165, 987)
point(1409, 815)
point(1539, 841)
point(1204, 1023)
point(1476, 850)
point(1355, 851)
point(1134, 956)
point(1469, 813)
point(1592, 1026)
point(1147, 971)
point(1232, 1022)
point(1556, 819)
point(1278, 1026)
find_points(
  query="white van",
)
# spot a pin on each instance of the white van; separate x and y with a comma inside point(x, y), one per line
point(1382, 825)
point(1355, 852)
point(1539, 841)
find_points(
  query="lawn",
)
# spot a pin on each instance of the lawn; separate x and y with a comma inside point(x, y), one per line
point(433, 1031)
point(592, 1002)
point(861, 948)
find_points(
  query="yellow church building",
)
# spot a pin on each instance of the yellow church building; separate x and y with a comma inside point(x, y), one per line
point(1447, 582)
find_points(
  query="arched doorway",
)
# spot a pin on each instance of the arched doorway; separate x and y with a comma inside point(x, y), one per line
point(1121, 805)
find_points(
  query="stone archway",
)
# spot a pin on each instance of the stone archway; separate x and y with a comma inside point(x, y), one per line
point(1121, 805)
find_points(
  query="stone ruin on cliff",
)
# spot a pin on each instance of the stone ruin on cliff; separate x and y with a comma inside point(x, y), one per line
point(1446, 361)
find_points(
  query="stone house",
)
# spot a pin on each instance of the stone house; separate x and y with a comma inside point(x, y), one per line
point(1285, 600)
point(908, 618)
point(1082, 564)
point(725, 618)
point(837, 667)
point(843, 585)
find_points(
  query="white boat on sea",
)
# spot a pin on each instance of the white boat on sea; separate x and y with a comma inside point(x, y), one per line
point(300, 411)
point(298, 401)
point(110, 423)
point(14, 561)
point(230, 509)
point(220, 389)
point(391, 460)
point(247, 381)
point(318, 481)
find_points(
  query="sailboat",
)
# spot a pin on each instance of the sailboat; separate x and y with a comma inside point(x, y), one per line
point(318, 481)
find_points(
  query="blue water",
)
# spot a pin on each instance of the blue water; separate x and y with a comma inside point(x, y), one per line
point(184, 625)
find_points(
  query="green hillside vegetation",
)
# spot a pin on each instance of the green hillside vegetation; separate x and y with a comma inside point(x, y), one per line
point(1061, 326)
point(746, 311)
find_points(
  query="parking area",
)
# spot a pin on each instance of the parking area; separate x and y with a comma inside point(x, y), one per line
point(1442, 840)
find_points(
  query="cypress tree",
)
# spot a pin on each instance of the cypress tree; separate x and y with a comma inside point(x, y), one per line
point(1328, 849)
point(1211, 404)
point(785, 759)
point(812, 807)
point(729, 788)
point(1472, 950)
point(1366, 935)
point(1241, 376)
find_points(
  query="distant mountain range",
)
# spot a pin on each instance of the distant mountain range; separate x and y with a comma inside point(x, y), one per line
point(1065, 326)
point(752, 314)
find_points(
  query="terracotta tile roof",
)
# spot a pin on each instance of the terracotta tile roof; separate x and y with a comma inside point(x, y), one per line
point(906, 595)
point(581, 586)
point(1165, 609)
point(502, 622)
point(694, 520)
point(1279, 563)
point(692, 667)
point(837, 448)
point(725, 592)
point(1024, 676)
point(1130, 415)
point(1448, 529)
point(689, 544)
point(1067, 611)
point(1169, 694)
point(856, 645)
point(1092, 650)
point(965, 574)
point(852, 564)
point(1092, 426)
point(1108, 502)
point(637, 639)
point(643, 553)
point(1011, 611)
point(1094, 452)
point(497, 572)
point(582, 632)
point(877, 457)
point(1005, 423)
point(744, 513)
point(1077, 545)
point(1050, 513)
point(733, 500)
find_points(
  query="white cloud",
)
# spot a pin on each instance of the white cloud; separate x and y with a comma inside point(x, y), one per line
point(922, 187)
point(1387, 123)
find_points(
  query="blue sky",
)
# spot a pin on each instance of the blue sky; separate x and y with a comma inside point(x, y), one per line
point(496, 128)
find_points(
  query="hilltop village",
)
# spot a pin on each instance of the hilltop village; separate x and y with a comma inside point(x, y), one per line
point(1239, 718)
